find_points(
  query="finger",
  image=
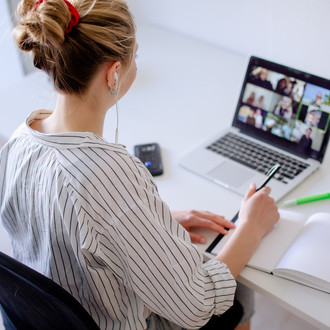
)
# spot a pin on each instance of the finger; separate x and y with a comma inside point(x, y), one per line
point(252, 189)
point(203, 223)
point(229, 224)
point(196, 238)
point(265, 191)
point(206, 219)
point(218, 219)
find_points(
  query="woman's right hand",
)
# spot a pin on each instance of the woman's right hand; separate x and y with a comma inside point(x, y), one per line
point(257, 217)
point(258, 211)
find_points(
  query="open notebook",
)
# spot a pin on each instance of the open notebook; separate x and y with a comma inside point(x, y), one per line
point(294, 249)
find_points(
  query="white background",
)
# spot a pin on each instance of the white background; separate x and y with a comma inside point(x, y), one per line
point(291, 32)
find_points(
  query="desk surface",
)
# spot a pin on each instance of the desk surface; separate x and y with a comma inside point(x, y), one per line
point(185, 92)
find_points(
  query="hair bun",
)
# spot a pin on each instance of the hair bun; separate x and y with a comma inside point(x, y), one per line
point(105, 33)
point(41, 24)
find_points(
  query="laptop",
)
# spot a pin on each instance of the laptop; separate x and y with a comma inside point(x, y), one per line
point(282, 116)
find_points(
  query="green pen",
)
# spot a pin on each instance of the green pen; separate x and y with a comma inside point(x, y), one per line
point(306, 199)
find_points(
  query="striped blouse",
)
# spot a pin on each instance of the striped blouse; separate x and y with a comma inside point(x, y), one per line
point(87, 214)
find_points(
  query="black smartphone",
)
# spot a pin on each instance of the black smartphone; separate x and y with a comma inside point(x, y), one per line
point(150, 156)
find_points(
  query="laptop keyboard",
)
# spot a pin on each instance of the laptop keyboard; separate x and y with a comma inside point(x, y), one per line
point(257, 157)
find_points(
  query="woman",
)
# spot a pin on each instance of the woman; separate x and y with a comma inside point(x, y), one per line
point(284, 108)
point(251, 99)
point(84, 211)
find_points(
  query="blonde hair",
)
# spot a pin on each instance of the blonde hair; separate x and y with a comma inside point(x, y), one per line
point(105, 33)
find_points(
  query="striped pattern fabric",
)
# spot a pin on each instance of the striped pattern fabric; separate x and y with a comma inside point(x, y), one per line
point(87, 214)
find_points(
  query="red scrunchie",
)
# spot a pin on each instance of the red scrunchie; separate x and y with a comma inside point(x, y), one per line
point(74, 14)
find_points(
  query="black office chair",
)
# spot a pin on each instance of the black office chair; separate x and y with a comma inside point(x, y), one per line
point(33, 301)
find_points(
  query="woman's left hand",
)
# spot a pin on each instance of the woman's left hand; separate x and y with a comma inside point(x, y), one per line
point(203, 219)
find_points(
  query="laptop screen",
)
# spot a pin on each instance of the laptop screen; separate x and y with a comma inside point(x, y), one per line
point(285, 107)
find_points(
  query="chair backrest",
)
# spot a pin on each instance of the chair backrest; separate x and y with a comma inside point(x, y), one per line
point(33, 301)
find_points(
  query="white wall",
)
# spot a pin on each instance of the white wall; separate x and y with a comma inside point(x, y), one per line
point(10, 64)
point(291, 32)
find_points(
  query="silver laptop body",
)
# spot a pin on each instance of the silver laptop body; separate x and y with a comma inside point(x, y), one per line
point(282, 116)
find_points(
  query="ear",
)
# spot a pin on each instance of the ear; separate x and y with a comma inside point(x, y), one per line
point(112, 75)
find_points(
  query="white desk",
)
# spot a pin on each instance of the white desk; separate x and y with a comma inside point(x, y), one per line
point(185, 91)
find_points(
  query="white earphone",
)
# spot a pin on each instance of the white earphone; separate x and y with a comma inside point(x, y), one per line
point(115, 90)
point(116, 81)
point(115, 94)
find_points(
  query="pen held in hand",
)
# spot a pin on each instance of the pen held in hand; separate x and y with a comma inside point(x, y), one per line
point(269, 174)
